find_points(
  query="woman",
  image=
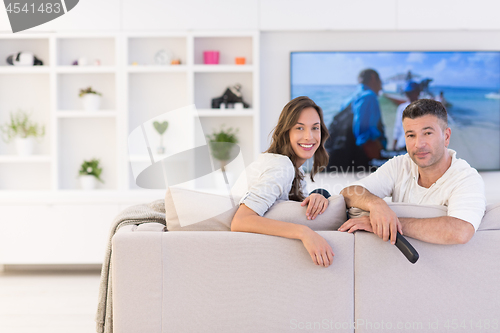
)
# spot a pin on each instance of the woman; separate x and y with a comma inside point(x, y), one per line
point(276, 175)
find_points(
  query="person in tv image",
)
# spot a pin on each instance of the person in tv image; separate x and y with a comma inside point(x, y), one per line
point(429, 174)
point(412, 92)
point(365, 135)
point(277, 174)
point(440, 98)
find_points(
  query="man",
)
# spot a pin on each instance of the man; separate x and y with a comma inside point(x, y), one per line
point(429, 174)
point(367, 121)
point(357, 133)
point(412, 91)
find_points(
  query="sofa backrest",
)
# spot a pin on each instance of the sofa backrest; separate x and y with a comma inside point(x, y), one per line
point(491, 219)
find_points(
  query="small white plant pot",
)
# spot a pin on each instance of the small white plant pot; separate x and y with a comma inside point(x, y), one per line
point(91, 102)
point(88, 182)
point(25, 146)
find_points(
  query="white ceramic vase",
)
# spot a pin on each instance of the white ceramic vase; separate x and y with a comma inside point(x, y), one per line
point(91, 102)
point(88, 182)
point(25, 146)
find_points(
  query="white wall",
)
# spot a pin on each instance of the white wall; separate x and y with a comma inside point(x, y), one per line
point(274, 15)
point(140, 15)
point(379, 15)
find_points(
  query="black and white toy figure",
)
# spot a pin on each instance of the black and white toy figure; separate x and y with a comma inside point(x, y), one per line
point(24, 59)
point(231, 96)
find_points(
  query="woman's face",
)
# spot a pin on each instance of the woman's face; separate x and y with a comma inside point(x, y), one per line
point(305, 135)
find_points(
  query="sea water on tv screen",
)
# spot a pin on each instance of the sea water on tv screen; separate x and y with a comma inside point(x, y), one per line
point(467, 82)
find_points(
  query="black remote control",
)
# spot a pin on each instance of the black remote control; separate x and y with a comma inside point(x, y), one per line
point(406, 248)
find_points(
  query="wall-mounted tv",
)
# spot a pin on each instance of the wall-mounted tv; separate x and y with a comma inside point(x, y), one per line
point(468, 81)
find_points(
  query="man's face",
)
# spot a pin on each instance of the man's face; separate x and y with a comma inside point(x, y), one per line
point(427, 138)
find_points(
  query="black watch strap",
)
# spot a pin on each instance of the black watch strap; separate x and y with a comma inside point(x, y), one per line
point(321, 191)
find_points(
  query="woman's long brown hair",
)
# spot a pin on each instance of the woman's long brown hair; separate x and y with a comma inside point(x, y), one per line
point(280, 141)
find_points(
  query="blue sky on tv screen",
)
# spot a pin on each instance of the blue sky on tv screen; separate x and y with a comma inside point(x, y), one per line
point(452, 69)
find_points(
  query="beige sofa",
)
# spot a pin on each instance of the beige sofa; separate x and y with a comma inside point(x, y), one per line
point(220, 281)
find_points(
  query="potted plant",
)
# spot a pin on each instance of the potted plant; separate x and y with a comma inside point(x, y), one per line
point(161, 128)
point(23, 130)
point(89, 173)
point(91, 99)
point(221, 145)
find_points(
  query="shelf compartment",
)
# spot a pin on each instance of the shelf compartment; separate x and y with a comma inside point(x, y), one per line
point(229, 48)
point(84, 139)
point(28, 93)
point(244, 136)
point(152, 94)
point(70, 49)
point(211, 85)
point(69, 85)
point(143, 49)
point(38, 46)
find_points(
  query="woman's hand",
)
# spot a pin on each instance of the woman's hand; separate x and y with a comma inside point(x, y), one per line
point(358, 223)
point(317, 204)
point(320, 251)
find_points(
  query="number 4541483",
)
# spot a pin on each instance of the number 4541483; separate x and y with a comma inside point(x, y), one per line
point(471, 324)
point(42, 8)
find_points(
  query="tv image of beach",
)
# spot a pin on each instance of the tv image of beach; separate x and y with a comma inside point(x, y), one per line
point(468, 81)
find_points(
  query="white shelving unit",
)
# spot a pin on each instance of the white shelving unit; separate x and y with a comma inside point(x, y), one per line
point(132, 95)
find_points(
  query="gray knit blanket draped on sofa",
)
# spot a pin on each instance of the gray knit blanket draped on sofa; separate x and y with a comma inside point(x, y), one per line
point(134, 215)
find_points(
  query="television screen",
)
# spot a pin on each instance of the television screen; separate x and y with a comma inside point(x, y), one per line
point(467, 83)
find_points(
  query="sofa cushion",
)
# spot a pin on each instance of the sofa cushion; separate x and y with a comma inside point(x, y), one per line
point(217, 211)
point(291, 211)
point(189, 210)
point(491, 219)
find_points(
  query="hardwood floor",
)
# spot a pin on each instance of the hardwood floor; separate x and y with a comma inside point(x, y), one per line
point(48, 302)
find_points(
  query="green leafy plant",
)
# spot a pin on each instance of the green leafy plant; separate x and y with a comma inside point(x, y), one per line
point(20, 126)
point(217, 142)
point(89, 90)
point(91, 168)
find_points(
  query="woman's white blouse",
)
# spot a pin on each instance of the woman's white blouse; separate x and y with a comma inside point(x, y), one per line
point(269, 178)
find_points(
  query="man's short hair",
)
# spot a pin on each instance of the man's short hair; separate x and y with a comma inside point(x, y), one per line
point(366, 75)
point(423, 107)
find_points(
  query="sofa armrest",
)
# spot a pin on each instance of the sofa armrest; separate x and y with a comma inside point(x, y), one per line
point(136, 264)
